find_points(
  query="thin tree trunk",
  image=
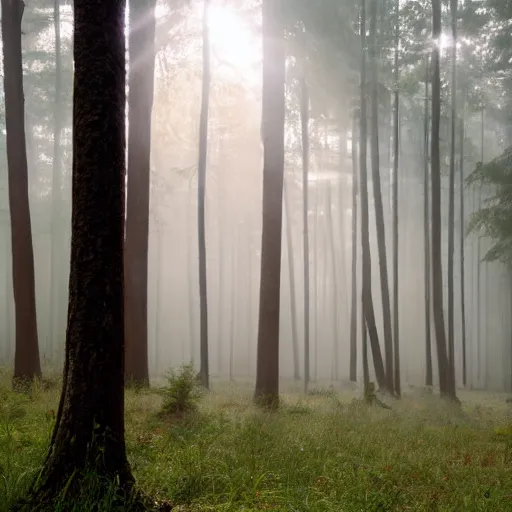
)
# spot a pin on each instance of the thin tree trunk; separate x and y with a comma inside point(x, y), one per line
point(396, 141)
point(232, 323)
point(462, 256)
point(368, 310)
point(191, 282)
point(379, 209)
point(140, 105)
point(304, 102)
point(354, 299)
point(273, 122)
point(437, 269)
point(451, 201)
point(291, 277)
point(56, 229)
point(220, 296)
point(429, 380)
point(26, 357)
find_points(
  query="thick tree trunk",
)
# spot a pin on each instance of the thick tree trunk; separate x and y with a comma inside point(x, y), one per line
point(396, 146)
point(379, 209)
point(26, 357)
point(140, 106)
point(201, 195)
point(429, 379)
point(273, 119)
point(462, 257)
point(437, 269)
point(291, 279)
point(369, 313)
point(88, 437)
point(354, 299)
point(304, 110)
point(56, 307)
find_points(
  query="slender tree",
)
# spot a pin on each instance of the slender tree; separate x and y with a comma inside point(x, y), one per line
point(273, 119)
point(368, 311)
point(304, 117)
point(26, 357)
point(88, 437)
point(462, 254)
point(377, 194)
point(140, 105)
point(201, 195)
point(437, 272)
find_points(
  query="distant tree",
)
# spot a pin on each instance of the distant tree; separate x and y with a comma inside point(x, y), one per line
point(26, 358)
point(273, 116)
point(88, 437)
point(201, 195)
point(140, 105)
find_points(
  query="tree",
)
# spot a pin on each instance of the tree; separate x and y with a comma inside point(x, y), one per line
point(437, 272)
point(201, 194)
point(367, 300)
point(88, 437)
point(26, 358)
point(377, 194)
point(273, 116)
point(140, 105)
point(462, 254)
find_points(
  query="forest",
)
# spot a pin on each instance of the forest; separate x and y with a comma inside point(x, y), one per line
point(257, 255)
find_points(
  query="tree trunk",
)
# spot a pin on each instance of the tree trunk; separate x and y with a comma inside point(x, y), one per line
point(437, 269)
point(273, 119)
point(379, 209)
point(88, 437)
point(232, 316)
point(451, 201)
point(353, 299)
point(201, 189)
point(291, 278)
point(462, 256)
point(56, 227)
point(26, 357)
point(140, 105)
point(429, 380)
point(396, 145)
point(304, 110)
point(369, 313)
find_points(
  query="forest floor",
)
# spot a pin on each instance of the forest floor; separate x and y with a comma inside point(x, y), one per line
point(324, 452)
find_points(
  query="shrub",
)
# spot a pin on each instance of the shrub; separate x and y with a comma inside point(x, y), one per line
point(183, 392)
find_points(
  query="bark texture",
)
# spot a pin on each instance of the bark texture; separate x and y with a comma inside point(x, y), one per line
point(26, 357)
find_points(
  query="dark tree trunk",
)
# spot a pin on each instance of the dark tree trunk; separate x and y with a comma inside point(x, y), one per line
point(291, 278)
point(451, 202)
point(88, 437)
point(26, 357)
point(379, 209)
point(462, 257)
point(396, 145)
point(429, 379)
point(354, 300)
point(304, 117)
point(140, 106)
point(273, 114)
point(57, 249)
point(369, 313)
point(437, 269)
point(201, 194)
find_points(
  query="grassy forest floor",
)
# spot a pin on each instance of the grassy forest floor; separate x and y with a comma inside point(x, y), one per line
point(323, 452)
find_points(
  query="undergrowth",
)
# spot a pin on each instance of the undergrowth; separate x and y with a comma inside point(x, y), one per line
point(323, 452)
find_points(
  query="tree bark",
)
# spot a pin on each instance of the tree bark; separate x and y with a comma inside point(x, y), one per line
point(273, 120)
point(140, 104)
point(26, 357)
point(462, 257)
point(379, 209)
point(201, 194)
point(369, 313)
point(88, 437)
point(437, 270)
point(429, 379)
point(304, 110)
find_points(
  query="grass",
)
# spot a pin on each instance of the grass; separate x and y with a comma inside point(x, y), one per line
point(324, 452)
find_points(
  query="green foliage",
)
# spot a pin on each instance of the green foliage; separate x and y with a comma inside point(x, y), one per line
point(183, 392)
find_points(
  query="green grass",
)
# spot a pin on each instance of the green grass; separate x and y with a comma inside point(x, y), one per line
point(323, 452)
